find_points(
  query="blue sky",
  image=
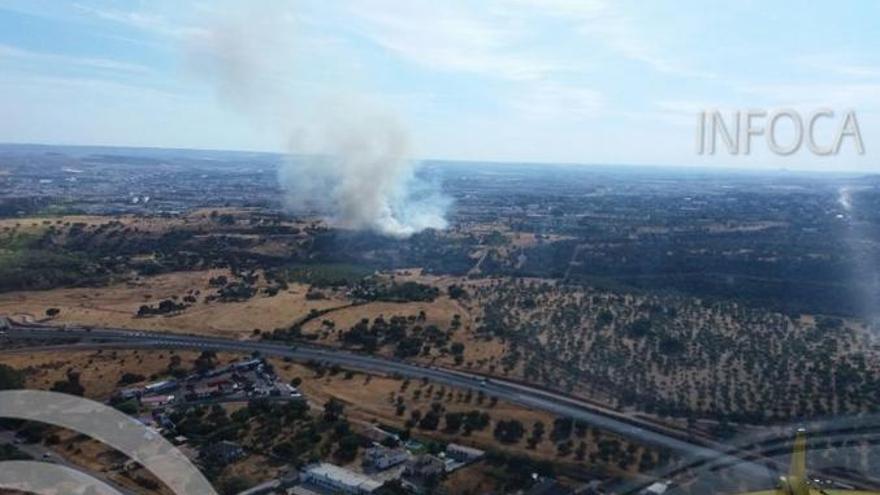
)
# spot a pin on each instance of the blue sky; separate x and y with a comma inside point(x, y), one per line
point(582, 81)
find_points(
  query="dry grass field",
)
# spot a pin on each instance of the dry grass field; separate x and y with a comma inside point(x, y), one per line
point(196, 218)
point(32, 225)
point(99, 369)
point(116, 306)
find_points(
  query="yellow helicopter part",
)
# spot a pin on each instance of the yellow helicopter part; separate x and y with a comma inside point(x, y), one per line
point(797, 482)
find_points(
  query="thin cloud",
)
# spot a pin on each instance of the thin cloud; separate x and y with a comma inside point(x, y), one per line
point(839, 65)
point(549, 100)
point(606, 23)
point(10, 52)
point(858, 96)
point(441, 36)
point(142, 21)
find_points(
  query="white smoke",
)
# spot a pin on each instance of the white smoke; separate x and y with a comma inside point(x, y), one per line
point(844, 198)
point(350, 161)
point(358, 174)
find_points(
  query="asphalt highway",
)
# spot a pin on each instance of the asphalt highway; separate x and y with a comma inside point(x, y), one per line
point(533, 397)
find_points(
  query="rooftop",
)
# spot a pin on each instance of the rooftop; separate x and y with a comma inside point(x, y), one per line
point(465, 449)
point(343, 476)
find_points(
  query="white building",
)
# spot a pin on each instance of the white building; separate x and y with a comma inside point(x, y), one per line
point(382, 458)
point(338, 479)
point(160, 387)
point(658, 488)
point(463, 453)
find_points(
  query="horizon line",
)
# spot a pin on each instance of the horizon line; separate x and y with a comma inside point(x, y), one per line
point(691, 167)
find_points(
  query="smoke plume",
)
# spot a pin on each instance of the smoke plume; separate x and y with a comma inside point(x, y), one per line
point(350, 160)
point(358, 174)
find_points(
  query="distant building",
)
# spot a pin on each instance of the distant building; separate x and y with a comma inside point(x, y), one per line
point(424, 466)
point(156, 400)
point(338, 480)
point(220, 383)
point(129, 393)
point(204, 392)
point(658, 488)
point(224, 452)
point(381, 458)
point(164, 421)
point(293, 391)
point(160, 387)
point(462, 453)
point(247, 365)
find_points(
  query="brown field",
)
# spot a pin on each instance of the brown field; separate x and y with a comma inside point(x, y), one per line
point(478, 354)
point(61, 220)
point(254, 468)
point(115, 306)
point(470, 481)
point(144, 224)
point(99, 369)
point(440, 313)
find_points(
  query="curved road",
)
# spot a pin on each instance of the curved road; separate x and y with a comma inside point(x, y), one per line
point(524, 395)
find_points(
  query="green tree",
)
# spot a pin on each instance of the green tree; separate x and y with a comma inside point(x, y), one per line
point(333, 410)
point(10, 378)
